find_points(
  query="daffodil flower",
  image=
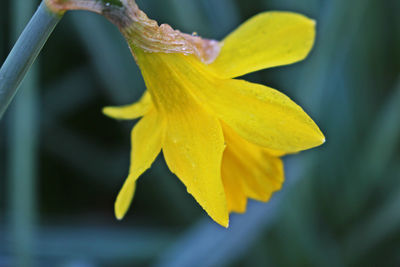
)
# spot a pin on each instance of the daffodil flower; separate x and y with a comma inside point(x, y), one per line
point(222, 136)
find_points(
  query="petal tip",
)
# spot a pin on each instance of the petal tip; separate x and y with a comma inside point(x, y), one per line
point(124, 198)
point(108, 111)
point(322, 138)
point(224, 221)
point(225, 224)
point(313, 22)
point(319, 137)
point(221, 219)
point(119, 215)
point(113, 112)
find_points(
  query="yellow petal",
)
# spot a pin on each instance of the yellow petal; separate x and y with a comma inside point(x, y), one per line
point(193, 149)
point(194, 142)
point(233, 184)
point(275, 153)
point(124, 198)
point(262, 115)
point(259, 173)
point(147, 138)
point(266, 176)
point(130, 112)
point(259, 114)
point(267, 40)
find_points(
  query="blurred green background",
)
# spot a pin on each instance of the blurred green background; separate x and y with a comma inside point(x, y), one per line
point(62, 162)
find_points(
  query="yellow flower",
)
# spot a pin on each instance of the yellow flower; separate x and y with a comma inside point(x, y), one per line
point(222, 137)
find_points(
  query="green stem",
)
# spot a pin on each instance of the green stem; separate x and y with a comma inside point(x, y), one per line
point(25, 52)
point(23, 151)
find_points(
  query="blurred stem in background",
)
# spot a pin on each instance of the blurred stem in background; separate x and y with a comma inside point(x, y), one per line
point(22, 134)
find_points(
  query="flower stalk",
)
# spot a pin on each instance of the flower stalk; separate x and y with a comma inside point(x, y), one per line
point(24, 53)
